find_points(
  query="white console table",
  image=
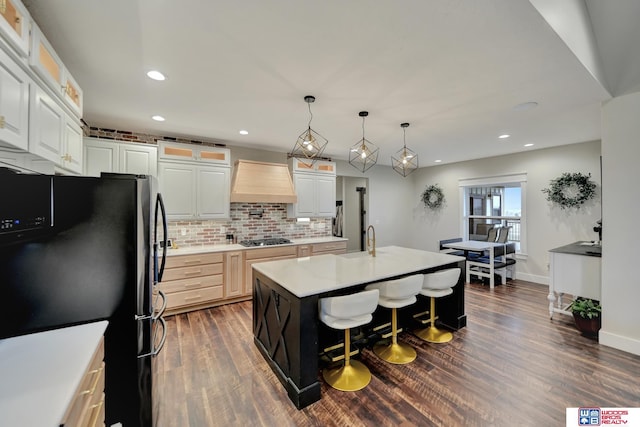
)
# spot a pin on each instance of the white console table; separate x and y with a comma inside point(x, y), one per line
point(574, 269)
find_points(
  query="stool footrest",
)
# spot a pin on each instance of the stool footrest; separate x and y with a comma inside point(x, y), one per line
point(388, 334)
point(379, 327)
point(341, 356)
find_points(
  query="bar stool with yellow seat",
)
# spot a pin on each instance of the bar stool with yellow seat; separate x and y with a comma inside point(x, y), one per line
point(396, 294)
point(346, 312)
point(436, 285)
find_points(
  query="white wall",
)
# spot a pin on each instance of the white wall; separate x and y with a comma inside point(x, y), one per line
point(621, 174)
point(547, 226)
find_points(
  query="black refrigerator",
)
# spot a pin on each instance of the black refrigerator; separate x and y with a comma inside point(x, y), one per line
point(81, 249)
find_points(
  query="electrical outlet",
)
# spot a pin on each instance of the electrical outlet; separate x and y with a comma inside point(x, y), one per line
point(183, 231)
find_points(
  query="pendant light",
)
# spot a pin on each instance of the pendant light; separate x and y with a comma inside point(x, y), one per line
point(405, 160)
point(364, 153)
point(310, 144)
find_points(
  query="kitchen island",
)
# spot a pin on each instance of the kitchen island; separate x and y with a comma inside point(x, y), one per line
point(285, 305)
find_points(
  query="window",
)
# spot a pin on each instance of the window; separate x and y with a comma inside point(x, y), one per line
point(494, 202)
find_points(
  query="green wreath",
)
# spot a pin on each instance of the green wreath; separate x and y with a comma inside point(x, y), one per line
point(432, 197)
point(557, 192)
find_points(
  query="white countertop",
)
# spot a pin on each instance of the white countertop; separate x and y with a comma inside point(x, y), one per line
point(224, 247)
point(322, 273)
point(39, 373)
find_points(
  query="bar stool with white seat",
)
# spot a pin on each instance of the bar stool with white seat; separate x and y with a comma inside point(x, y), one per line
point(396, 294)
point(346, 312)
point(436, 285)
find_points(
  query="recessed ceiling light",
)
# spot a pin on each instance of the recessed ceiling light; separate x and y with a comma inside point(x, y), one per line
point(528, 145)
point(525, 106)
point(156, 75)
point(438, 161)
point(243, 132)
point(158, 118)
point(504, 135)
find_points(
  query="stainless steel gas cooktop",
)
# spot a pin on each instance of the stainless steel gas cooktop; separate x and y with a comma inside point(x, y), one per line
point(265, 242)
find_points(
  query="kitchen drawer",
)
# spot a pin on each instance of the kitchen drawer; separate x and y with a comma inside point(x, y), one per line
point(190, 284)
point(89, 397)
point(329, 247)
point(190, 272)
point(195, 296)
point(195, 259)
point(274, 252)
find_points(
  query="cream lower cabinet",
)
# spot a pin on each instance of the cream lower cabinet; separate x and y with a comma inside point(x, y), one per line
point(304, 250)
point(87, 407)
point(253, 256)
point(193, 281)
point(335, 248)
point(234, 274)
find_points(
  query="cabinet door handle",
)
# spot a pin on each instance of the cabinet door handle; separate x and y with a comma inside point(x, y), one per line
point(191, 261)
point(96, 411)
point(192, 285)
point(92, 389)
point(1, 122)
point(197, 297)
point(191, 273)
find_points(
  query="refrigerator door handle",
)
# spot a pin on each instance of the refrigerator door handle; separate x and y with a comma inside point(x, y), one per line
point(154, 352)
point(160, 312)
point(160, 204)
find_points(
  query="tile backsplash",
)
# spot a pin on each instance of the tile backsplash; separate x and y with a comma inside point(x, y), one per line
point(248, 221)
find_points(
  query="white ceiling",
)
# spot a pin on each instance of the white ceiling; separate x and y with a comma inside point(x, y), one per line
point(453, 69)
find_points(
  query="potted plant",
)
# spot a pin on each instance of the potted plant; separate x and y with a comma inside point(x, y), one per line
point(586, 312)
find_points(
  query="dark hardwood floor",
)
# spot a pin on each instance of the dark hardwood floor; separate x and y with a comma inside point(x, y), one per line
point(511, 366)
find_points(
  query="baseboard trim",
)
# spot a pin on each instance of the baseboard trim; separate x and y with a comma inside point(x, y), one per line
point(543, 280)
point(630, 345)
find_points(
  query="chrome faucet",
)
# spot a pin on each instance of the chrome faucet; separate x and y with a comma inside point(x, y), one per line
point(371, 240)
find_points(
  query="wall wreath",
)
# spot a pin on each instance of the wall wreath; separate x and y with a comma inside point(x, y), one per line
point(570, 190)
point(433, 197)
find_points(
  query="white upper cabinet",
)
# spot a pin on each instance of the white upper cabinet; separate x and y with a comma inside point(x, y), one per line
point(14, 104)
point(194, 191)
point(14, 25)
point(102, 155)
point(52, 134)
point(213, 192)
point(140, 159)
point(72, 146)
point(195, 181)
point(71, 93)
point(45, 61)
point(195, 153)
point(99, 156)
point(315, 187)
point(46, 126)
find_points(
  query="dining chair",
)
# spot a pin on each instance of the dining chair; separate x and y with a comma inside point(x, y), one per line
point(503, 236)
point(493, 234)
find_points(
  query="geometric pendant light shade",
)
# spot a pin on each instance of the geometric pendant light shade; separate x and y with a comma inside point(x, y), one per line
point(363, 154)
point(405, 160)
point(310, 144)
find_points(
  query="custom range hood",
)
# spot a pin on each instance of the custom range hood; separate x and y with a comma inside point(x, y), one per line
point(260, 182)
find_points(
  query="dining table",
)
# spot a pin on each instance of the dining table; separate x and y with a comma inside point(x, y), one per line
point(473, 267)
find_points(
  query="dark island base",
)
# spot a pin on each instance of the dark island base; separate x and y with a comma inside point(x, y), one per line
point(289, 334)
